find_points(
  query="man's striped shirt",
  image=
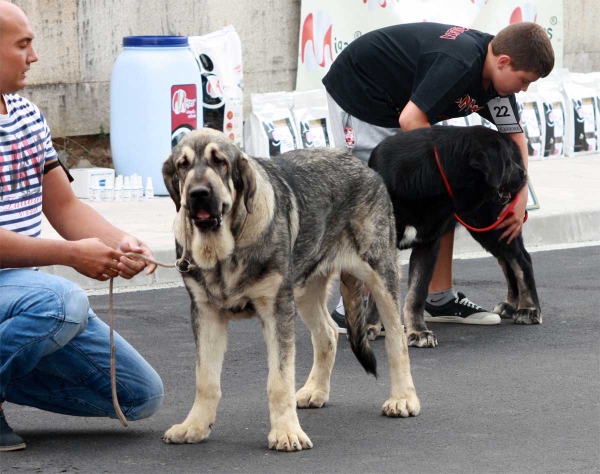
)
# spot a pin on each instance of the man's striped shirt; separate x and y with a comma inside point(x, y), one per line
point(25, 146)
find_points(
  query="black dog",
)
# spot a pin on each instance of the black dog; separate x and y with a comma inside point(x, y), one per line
point(485, 171)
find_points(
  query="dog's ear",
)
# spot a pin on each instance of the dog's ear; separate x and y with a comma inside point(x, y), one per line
point(248, 181)
point(172, 181)
point(490, 164)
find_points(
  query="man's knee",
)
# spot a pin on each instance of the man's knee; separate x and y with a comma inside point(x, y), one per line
point(76, 307)
point(151, 397)
point(73, 308)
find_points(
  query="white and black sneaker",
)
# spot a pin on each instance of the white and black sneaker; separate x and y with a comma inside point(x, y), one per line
point(461, 310)
point(339, 318)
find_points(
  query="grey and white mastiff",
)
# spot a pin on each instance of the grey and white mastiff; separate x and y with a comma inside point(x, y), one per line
point(264, 238)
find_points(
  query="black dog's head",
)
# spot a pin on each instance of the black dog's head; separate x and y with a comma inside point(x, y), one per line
point(208, 175)
point(497, 172)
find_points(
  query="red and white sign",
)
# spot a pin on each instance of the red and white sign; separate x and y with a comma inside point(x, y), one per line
point(184, 107)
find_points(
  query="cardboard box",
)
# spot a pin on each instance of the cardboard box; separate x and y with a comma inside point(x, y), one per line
point(82, 179)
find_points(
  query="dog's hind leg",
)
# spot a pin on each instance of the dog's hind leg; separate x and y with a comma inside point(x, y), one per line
point(210, 331)
point(277, 317)
point(312, 306)
point(384, 283)
point(420, 271)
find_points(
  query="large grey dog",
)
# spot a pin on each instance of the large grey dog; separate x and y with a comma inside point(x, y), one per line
point(265, 238)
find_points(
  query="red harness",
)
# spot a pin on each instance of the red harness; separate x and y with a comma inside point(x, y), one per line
point(505, 214)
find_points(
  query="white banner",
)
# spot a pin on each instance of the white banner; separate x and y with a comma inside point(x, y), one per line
point(328, 26)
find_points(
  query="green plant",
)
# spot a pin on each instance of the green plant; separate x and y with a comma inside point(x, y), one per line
point(102, 133)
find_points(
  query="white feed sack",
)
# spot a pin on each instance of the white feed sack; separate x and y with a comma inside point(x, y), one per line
point(455, 122)
point(582, 116)
point(270, 128)
point(473, 120)
point(595, 78)
point(555, 116)
point(531, 111)
point(486, 123)
point(219, 55)
point(312, 118)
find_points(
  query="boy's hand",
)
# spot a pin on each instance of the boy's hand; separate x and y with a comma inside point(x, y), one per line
point(130, 267)
point(514, 220)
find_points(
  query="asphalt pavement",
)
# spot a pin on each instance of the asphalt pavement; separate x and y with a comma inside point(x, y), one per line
point(495, 399)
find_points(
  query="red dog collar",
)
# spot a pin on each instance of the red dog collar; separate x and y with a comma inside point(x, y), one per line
point(505, 214)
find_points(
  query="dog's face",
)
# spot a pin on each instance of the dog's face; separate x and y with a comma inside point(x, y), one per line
point(207, 175)
point(501, 165)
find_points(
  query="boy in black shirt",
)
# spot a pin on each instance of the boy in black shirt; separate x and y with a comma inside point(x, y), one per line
point(409, 76)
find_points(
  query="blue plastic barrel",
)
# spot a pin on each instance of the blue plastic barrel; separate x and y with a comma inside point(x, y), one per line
point(155, 99)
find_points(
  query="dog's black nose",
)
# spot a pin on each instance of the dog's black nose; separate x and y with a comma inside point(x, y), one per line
point(200, 193)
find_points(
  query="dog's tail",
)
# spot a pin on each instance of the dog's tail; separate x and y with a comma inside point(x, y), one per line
point(352, 291)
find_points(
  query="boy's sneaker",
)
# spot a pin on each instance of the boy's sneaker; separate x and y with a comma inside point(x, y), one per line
point(9, 440)
point(461, 310)
point(340, 320)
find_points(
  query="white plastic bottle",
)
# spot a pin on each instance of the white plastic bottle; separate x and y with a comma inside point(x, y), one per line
point(138, 189)
point(118, 193)
point(126, 189)
point(149, 192)
point(133, 181)
point(107, 190)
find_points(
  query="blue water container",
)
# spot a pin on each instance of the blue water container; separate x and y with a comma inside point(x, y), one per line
point(155, 99)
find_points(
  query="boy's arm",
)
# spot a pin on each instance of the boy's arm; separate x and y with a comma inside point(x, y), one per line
point(412, 117)
point(513, 224)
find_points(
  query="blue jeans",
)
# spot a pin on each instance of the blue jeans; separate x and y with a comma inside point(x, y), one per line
point(55, 352)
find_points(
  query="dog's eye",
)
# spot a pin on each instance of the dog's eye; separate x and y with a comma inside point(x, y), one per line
point(182, 162)
point(217, 161)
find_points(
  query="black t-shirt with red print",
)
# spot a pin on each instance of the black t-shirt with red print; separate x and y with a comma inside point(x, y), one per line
point(436, 66)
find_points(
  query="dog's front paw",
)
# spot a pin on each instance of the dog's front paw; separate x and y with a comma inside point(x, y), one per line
point(186, 433)
point(311, 398)
point(504, 310)
point(527, 316)
point(402, 407)
point(289, 439)
point(421, 339)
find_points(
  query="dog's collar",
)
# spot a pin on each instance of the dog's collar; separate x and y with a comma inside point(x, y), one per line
point(505, 214)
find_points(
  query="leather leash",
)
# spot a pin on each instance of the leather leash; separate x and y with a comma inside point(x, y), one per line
point(113, 349)
point(505, 214)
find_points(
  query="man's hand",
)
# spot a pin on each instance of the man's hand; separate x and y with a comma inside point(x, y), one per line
point(514, 221)
point(128, 267)
point(95, 259)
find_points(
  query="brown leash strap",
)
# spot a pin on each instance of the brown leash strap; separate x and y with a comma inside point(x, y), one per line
point(113, 360)
point(113, 349)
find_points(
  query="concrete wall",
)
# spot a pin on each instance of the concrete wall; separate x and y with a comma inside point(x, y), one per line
point(79, 40)
point(582, 42)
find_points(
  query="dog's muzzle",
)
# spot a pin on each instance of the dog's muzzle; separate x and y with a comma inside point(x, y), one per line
point(204, 221)
point(204, 212)
point(503, 197)
point(505, 194)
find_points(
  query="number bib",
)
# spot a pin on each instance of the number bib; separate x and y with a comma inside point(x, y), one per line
point(504, 116)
